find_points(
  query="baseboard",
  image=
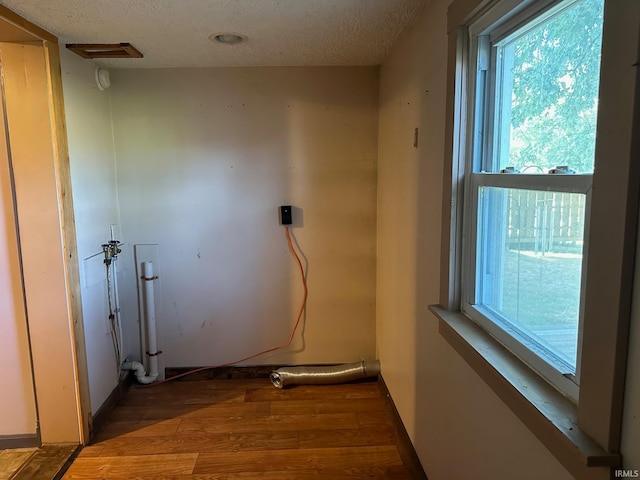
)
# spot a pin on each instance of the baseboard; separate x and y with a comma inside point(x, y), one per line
point(100, 418)
point(405, 447)
point(222, 373)
point(233, 372)
point(29, 440)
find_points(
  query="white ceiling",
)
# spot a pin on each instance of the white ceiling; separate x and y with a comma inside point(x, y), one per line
point(173, 33)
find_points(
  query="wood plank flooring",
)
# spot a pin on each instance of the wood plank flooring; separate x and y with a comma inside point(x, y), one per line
point(243, 430)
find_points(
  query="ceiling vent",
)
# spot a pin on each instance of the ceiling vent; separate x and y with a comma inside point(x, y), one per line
point(104, 50)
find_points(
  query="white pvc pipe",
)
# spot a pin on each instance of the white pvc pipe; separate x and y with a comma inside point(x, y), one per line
point(150, 318)
point(150, 327)
point(138, 370)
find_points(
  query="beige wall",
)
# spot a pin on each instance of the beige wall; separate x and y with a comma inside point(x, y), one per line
point(204, 159)
point(33, 154)
point(17, 401)
point(631, 418)
point(93, 174)
point(459, 427)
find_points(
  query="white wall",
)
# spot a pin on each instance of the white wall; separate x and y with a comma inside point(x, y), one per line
point(93, 176)
point(205, 157)
point(17, 401)
point(459, 427)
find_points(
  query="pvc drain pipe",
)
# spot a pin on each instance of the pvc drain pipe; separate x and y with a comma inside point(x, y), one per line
point(150, 325)
point(324, 375)
point(138, 370)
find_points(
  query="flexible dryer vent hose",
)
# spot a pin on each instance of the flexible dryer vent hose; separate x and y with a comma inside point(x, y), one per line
point(324, 375)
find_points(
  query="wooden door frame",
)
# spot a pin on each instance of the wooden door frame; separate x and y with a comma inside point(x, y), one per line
point(69, 253)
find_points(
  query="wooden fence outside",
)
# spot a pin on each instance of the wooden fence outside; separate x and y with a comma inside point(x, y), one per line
point(545, 222)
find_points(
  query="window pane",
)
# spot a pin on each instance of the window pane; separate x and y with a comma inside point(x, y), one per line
point(530, 264)
point(547, 92)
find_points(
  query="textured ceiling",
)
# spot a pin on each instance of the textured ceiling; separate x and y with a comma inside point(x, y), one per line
point(173, 33)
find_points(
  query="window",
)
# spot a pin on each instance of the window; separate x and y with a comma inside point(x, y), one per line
point(534, 96)
point(535, 258)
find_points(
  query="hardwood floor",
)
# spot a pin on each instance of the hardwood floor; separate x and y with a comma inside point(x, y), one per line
point(246, 429)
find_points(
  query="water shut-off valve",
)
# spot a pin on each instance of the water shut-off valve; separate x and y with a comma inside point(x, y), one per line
point(110, 250)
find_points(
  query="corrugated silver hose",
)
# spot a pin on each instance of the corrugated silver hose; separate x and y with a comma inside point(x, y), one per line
point(324, 375)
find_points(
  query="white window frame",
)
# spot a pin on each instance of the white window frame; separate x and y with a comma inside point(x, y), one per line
point(584, 436)
point(548, 367)
point(483, 132)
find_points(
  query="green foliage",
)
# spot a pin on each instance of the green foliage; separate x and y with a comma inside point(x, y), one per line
point(554, 89)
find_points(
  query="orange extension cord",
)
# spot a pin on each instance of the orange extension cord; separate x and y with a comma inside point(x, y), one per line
point(273, 349)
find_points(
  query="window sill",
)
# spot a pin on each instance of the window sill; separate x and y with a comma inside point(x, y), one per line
point(550, 416)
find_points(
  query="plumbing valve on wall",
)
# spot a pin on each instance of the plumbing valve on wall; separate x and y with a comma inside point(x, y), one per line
point(111, 249)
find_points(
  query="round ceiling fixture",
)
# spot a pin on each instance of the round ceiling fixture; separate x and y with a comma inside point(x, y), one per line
point(228, 38)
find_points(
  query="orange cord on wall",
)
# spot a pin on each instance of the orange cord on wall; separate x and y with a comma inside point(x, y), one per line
point(273, 349)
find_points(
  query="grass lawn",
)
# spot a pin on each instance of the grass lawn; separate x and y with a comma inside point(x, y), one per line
point(541, 295)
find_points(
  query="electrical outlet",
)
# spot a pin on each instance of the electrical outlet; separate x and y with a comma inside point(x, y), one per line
point(286, 217)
